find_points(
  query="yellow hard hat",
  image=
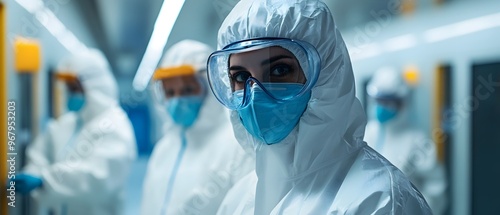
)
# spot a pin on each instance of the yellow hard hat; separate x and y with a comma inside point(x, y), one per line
point(169, 72)
point(66, 76)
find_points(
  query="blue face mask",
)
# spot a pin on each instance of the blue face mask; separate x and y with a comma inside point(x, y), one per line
point(75, 102)
point(184, 110)
point(269, 120)
point(385, 114)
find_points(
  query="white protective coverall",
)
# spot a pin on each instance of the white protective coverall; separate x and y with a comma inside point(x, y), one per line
point(208, 164)
point(323, 166)
point(404, 145)
point(84, 158)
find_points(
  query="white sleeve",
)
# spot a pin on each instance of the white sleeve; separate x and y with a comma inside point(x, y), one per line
point(94, 169)
point(39, 153)
point(240, 199)
point(431, 177)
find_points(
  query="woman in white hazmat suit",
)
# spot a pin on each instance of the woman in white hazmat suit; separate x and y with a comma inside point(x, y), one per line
point(84, 157)
point(198, 160)
point(407, 147)
point(284, 70)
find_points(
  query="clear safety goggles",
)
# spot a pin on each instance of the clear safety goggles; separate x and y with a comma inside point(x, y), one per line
point(265, 63)
point(182, 81)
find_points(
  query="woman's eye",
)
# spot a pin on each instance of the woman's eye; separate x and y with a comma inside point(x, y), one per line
point(241, 77)
point(169, 93)
point(280, 70)
point(188, 90)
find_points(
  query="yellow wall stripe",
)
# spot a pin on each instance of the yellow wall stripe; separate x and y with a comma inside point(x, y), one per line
point(437, 112)
point(3, 111)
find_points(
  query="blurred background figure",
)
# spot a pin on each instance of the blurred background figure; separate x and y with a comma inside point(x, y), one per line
point(198, 160)
point(453, 43)
point(392, 134)
point(80, 163)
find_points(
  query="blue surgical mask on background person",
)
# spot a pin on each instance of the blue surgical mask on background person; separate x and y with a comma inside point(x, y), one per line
point(269, 120)
point(184, 110)
point(75, 101)
point(385, 114)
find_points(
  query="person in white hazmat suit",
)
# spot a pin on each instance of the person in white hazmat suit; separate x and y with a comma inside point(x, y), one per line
point(80, 164)
point(284, 71)
point(406, 146)
point(198, 160)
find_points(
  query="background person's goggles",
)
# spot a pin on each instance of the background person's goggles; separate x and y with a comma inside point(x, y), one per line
point(178, 81)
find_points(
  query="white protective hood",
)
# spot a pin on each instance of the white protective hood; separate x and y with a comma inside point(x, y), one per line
point(212, 114)
point(210, 162)
point(404, 144)
point(94, 73)
point(84, 157)
point(323, 166)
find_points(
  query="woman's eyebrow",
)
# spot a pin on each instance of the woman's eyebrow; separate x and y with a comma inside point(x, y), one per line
point(237, 68)
point(275, 58)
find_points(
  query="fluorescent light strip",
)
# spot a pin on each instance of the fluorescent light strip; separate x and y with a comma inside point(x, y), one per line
point(374, 49)
point(399, 43)
point(53, 25)
point(366, 51)
point(154, 51)
point(432, 35)
point(462, 28)
point(31, 5)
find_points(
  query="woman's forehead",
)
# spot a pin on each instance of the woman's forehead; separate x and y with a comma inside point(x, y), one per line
point(179, 80)
point(258, 55)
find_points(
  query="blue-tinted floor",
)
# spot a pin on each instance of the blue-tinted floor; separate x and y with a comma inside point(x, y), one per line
point(134, 186)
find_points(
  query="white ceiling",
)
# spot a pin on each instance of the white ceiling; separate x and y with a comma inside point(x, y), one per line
point(123, 27)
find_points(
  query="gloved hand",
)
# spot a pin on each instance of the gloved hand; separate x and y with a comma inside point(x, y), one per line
point(25, 183)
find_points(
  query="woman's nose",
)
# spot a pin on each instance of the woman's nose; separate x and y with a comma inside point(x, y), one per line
point(258, 76)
